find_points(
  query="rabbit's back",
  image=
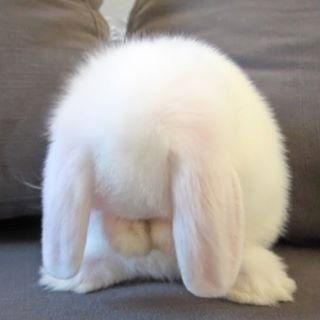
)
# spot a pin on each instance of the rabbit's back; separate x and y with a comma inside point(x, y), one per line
point(140, 105)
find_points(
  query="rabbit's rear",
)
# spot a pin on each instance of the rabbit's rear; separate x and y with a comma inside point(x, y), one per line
point(167, 128)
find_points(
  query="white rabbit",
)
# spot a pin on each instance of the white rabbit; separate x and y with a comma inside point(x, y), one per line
point(164, 143)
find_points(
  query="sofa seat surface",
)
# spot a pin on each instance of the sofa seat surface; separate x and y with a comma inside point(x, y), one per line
point(22, 298)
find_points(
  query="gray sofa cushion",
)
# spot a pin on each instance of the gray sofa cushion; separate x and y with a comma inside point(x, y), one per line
point(40, 42)
point(21, 298)
point(278, 44)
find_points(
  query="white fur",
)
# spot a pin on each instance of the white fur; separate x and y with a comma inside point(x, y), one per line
point(165, 128)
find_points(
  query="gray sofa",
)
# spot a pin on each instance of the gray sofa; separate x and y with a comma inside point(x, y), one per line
point(276, 42)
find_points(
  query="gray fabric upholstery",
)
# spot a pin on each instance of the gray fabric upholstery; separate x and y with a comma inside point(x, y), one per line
point(21, 297)
point(278, 44)
point(40, 43)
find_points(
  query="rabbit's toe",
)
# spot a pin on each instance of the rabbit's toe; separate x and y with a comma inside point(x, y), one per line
point(131, 238)
point(263, 280)
point(161, 235)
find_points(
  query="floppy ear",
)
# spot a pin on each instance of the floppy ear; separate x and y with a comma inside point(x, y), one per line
point(67, 196)
point(207, 223)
